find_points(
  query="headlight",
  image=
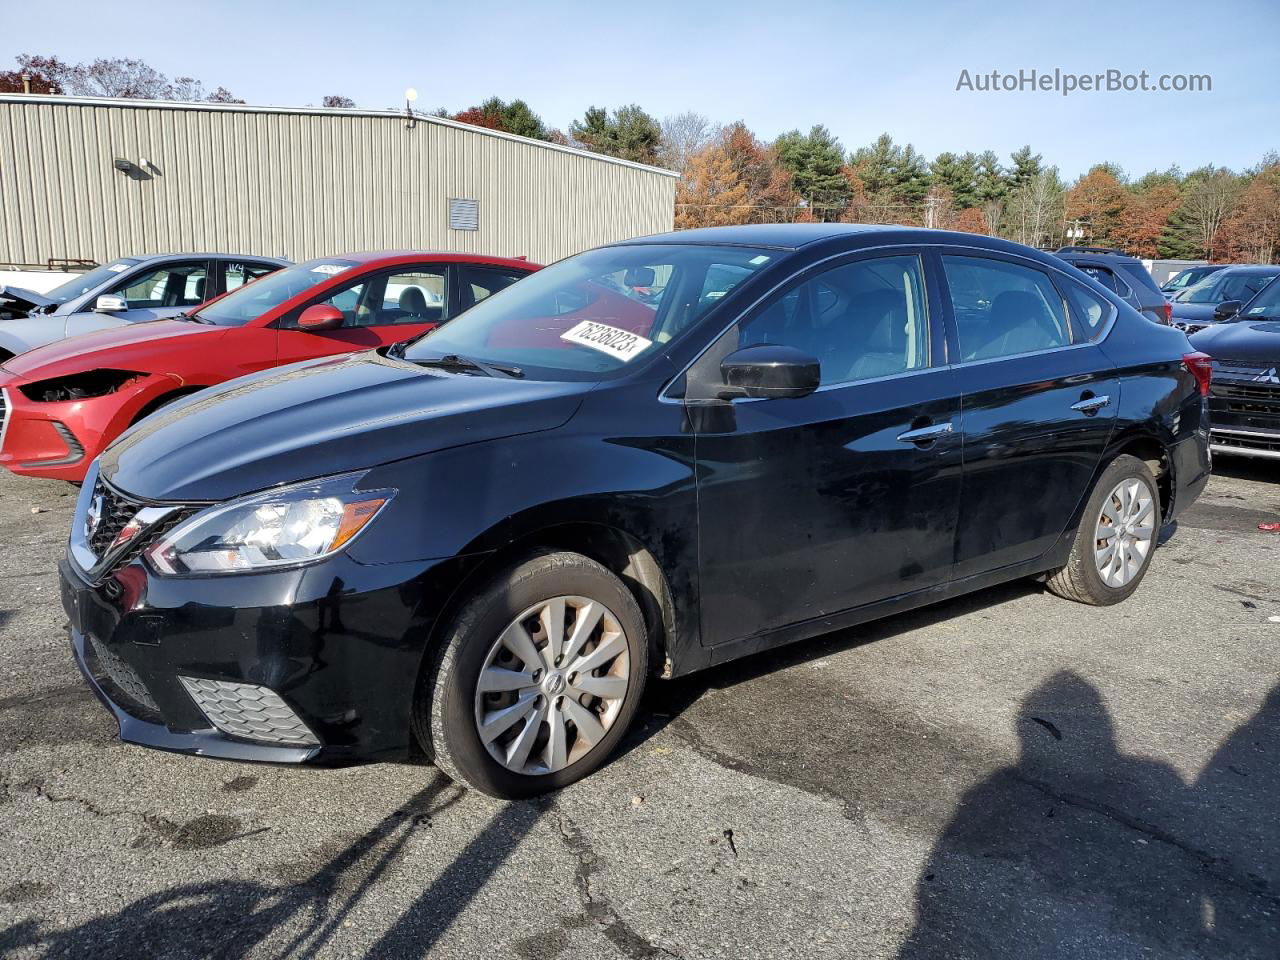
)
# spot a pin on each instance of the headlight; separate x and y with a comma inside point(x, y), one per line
point(284, 527)
point(80, 386)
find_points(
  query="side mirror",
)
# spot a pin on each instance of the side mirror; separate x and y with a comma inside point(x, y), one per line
point(320, 317)
point(769, 371)
point(108, 304)
point(1227, 309)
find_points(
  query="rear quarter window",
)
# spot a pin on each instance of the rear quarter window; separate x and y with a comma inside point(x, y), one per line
point(1090, 313)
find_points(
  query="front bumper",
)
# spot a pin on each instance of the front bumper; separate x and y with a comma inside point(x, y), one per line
point(339, 643)
point(59, 440)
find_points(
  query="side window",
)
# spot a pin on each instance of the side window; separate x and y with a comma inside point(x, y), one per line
point(479, 283)
point(237, 273)
point(412, 296)
point(172, 285)
point(1002, 309)
point(861, 320)
point(348, 300)
point(1089, 312)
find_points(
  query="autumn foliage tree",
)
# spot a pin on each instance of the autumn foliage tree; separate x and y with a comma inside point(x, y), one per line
point(1100, 202)
point(733, 180)
point(1251, 232)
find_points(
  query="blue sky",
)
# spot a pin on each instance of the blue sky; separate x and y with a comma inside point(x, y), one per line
point(860, 68)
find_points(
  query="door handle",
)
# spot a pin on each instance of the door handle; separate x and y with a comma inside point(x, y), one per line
point(1091, 405)
point(926, 434)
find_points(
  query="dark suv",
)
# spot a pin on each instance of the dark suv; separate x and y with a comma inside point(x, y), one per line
point(645, 460)
point(1124, 276)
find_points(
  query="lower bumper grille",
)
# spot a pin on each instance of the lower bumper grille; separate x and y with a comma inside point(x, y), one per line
point(120, 682)
point(1253, 444)
point(249, 711)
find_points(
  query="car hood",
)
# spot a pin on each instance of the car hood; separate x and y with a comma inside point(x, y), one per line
point(1200, 312)
point(20, 300)
point(1249, 341)
point(129, 346)
point(18, 336)
point(323, 417)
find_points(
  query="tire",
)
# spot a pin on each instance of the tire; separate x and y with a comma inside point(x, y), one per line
point(481, 639)
point(1082, 579)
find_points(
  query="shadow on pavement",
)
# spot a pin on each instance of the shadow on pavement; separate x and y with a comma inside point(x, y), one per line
point(1081, 850)
point(229, 918)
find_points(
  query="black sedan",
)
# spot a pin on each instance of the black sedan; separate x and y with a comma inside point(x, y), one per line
point(646, 460)
point(1245, 398)
point(1219, 295)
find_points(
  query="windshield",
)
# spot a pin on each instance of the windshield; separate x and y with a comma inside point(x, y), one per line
point(1265, 304)
point(257, 297)
point(79, 285)
point(1226, 285)
point(1188, 277)
point(590, 316)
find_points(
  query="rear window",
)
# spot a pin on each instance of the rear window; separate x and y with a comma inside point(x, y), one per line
point(1139, 275)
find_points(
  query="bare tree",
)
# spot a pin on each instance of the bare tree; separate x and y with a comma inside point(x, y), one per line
point(1209, 200)
point(1035, 209)
point(337, 103)
point(119, 77)
point(683, 135)
point(186, 88)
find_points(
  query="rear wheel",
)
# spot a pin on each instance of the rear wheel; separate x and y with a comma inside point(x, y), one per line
point(1116, 537)
point(536, 679)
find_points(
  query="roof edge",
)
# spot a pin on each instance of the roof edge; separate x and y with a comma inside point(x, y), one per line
point(59, 99)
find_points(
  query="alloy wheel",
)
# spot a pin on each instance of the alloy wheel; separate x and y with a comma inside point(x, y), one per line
point(552, 685)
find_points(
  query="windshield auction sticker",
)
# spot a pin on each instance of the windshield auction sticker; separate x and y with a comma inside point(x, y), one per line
point(622, 344)
point(329, 268)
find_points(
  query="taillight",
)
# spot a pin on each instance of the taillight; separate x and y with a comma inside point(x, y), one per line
point(1200, 366)
point(1168, 313)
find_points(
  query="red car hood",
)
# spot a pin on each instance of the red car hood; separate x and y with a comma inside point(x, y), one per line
point(127, 348)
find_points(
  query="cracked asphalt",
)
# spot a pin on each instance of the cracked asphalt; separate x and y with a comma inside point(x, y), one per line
point(1008, 775)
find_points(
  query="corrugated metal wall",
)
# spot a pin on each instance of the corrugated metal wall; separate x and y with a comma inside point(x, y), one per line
point(298, 184)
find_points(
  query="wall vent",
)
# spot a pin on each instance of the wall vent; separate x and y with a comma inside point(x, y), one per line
point(464, 214)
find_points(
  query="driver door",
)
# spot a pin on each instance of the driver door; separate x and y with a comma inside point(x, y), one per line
point(812, 506)
point(378, 309)
point(163, 291)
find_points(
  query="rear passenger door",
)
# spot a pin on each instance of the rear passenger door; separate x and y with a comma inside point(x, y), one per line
point(475, 283)
point(233, 274)
point(1039, 401)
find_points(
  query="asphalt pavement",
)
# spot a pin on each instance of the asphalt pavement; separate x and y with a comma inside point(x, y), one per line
point(1007, 775)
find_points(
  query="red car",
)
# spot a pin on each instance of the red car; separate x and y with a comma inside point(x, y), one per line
point(62, 404)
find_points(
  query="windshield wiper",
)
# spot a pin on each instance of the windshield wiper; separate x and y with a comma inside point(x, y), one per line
point(453, 361)
point(193, 317)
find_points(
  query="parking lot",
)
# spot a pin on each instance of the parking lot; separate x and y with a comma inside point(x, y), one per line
point(1006, 775)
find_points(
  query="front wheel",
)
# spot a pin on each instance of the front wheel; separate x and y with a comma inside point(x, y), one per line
point(536, 679)
point(1116, 538)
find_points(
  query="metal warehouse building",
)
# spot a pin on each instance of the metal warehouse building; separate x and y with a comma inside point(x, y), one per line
point(94, 179)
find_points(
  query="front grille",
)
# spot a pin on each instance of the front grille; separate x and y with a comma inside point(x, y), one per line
point(115, 510)
point(248, 711)
point(1258, 443)
point(1255, 400)
point(114, 513)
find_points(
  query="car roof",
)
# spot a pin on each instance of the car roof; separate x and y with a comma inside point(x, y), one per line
point(795, 236)
point(146, 257)
point(1072, 255)
point(1250, 268)
point(376, 257)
